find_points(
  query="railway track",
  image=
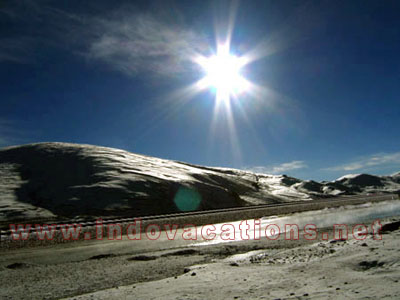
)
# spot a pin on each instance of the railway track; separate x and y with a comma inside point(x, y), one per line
point(85, 223)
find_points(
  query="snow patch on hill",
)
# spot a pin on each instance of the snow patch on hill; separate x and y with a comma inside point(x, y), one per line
point(69, 180)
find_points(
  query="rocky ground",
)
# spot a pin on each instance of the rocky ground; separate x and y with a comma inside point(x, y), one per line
point(57, 180)
point(265, 269)
point(353, 269)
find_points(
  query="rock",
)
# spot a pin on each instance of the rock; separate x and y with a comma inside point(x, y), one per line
point(142, 258)
point(366, 265)
point(18, 266)
point(393, 226)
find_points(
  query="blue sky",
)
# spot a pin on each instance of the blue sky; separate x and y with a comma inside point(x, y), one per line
point(118, 75)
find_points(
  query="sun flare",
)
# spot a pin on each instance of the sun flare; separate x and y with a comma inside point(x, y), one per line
point(223, 73)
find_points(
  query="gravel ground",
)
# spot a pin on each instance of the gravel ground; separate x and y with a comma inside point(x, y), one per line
point(352, 269)
point(239, 270)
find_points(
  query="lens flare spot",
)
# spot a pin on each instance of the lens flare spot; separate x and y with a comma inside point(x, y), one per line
point(187, 199)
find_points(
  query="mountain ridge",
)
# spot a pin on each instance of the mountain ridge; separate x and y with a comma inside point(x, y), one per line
point(51, 180)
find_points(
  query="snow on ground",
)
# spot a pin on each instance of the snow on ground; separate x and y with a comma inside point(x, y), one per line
point(353, 269)
point(70, 180)
point(347, 176)
point(250, 269)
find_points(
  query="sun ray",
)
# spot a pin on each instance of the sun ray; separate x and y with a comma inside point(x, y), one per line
point(224, 76)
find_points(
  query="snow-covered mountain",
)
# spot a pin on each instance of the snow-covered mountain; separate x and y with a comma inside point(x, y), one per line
point(68, 180)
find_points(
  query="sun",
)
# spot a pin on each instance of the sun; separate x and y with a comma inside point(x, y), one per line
point(223, 73)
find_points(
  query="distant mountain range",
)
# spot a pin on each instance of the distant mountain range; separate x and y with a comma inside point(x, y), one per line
point(47, 180)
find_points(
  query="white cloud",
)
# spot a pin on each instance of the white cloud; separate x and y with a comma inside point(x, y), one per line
point(376, 160)
point(279, 169)
point(132, 43)
point(126, 39)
